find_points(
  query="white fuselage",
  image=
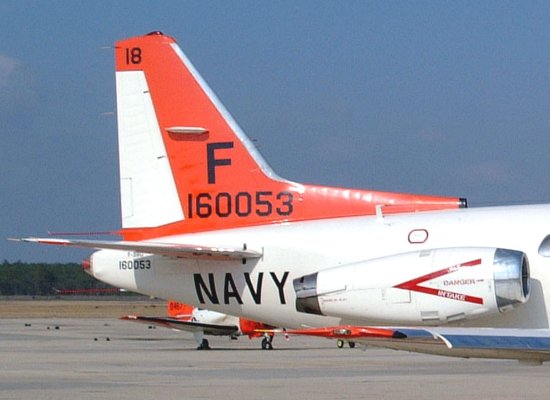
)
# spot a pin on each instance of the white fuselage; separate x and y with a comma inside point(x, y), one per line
point(262, 289)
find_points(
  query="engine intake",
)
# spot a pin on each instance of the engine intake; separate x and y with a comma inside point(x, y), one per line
point(426, 287)
point(511, 274)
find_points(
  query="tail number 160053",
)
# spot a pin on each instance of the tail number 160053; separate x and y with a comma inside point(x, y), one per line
point(134, 264)
point(241, 204)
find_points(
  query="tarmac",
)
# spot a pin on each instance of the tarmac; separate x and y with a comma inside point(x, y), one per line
point(106, 358)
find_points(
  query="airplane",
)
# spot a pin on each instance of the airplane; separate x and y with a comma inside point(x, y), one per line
point(200, 322)
point(207, 222)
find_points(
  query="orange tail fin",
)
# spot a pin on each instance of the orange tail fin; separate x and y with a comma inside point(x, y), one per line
point(186, 166)
point(179, 310)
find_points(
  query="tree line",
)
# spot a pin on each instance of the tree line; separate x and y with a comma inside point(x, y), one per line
point(36, 279)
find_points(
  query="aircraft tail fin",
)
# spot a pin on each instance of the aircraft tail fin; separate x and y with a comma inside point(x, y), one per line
point(179, 310)
point(186, 166)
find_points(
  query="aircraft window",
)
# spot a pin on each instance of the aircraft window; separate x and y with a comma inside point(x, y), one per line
point(544, 248)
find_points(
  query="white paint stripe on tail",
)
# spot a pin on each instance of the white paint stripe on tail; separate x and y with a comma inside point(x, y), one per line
point(148, 192)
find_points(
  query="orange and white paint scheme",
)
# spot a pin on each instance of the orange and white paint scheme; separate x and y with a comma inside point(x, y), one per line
point(207, 222)
point(200, 322)
point(208, 175)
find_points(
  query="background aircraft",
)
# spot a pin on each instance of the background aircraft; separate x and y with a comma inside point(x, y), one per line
point(200, 322)
point(207, 222)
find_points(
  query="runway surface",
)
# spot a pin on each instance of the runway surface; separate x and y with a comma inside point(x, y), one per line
point(108, 358)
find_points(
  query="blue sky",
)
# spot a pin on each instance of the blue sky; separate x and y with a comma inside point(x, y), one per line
point(433, 97)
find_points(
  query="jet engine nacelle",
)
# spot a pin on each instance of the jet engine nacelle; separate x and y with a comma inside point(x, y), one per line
point(423, 287)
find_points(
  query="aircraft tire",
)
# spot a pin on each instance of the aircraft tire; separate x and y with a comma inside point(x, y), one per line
point(266, 344)
point(339, 343)
point(204, 345)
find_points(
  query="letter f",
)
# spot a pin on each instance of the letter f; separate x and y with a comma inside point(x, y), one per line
point(213, 162)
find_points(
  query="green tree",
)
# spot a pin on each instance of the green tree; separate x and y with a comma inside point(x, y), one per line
point(44, 279)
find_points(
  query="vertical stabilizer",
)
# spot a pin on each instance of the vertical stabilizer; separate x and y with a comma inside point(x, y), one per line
point(186, 166)
point(175, 309)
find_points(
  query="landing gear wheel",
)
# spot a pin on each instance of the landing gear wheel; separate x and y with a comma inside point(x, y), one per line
point(266, 344)
point(351, 345)
point(204, 345)
point(339, 343)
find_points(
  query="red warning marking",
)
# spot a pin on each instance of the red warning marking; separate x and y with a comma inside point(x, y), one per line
point(413, 284)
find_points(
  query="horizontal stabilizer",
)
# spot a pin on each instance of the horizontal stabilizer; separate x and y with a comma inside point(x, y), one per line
point(163, 249)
